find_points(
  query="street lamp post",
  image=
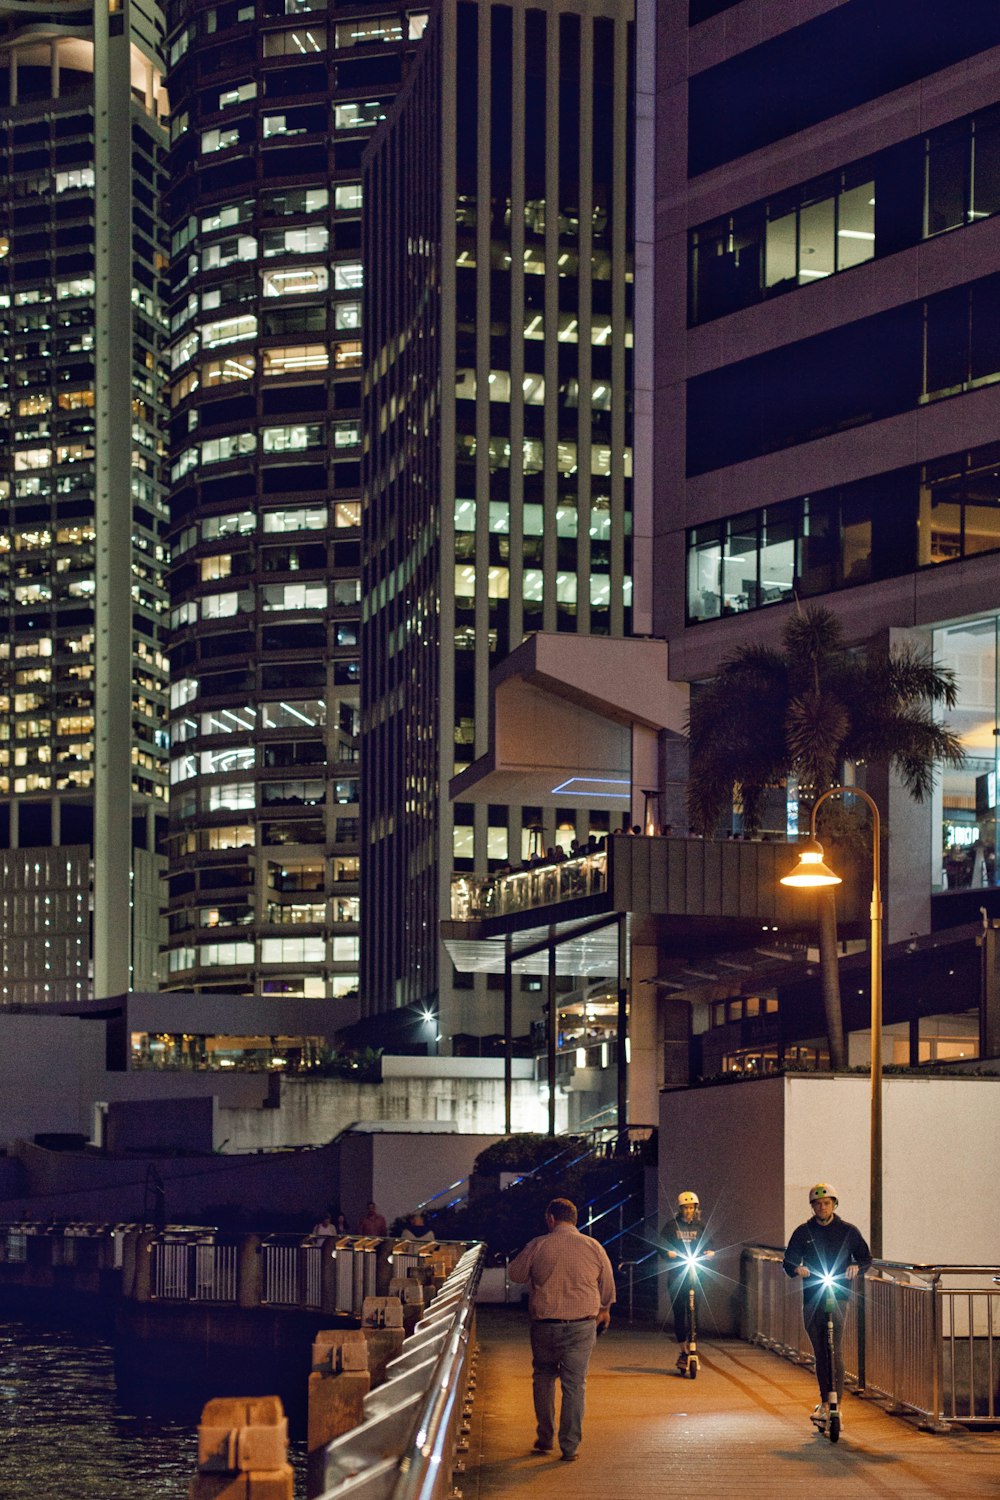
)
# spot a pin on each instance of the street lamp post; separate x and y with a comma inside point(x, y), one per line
point(811, 873)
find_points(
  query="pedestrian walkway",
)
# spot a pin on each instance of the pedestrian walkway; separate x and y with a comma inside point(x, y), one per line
point(740, 1431)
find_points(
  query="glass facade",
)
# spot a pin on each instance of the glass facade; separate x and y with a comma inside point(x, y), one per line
point(82, 514)
point(910, 192)
point(965, 823)
point(498, 477)
point(922, 516)
point(276, 101)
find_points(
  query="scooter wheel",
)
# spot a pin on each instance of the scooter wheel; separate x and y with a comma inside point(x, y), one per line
point(692, 1368)
point(833, 1429)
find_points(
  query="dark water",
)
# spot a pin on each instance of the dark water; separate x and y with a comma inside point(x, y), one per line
point(66, 1432)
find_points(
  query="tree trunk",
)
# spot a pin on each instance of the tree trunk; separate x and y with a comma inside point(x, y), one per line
point(830, 975)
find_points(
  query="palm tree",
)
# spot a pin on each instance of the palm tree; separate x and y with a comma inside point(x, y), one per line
point(804, 711)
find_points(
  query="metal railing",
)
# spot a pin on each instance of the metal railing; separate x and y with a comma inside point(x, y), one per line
point(194, 1268)
point(406, 1447)
point(474, 897)
point(920, 1336)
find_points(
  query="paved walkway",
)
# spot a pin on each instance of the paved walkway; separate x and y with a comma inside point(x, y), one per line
point(741, 1430)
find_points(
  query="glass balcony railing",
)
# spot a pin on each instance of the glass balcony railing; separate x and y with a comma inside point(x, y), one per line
point(475, 896)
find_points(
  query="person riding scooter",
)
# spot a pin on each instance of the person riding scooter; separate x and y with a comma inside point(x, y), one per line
point(683, 1237)
point(828, 1253)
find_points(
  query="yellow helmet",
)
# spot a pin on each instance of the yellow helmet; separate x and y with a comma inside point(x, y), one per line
point(687, 1200)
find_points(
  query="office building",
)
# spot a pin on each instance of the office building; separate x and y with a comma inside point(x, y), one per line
point(83, 671)
point(497, 469)
point(826, 370)
point(272, 104)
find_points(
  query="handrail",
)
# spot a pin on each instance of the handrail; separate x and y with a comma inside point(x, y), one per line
point(405, 1448)
point(927, 1347)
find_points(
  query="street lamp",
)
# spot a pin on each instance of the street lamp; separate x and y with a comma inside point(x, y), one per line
point(811, 873)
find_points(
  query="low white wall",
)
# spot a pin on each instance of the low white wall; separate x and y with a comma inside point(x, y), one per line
point(752, 1150)
point(313, 1111)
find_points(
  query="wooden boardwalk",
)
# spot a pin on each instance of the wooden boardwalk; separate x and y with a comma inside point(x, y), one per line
point(740, 1431)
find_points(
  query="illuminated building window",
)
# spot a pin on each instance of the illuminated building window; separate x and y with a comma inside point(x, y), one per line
point(215, 567)
point(34, 406)
point(347, 354)
point(368, 29)
point(294, 281)
point(222, 371)
point(358, 115)
point(347, 315)
point(348, 276)
point(281, 596)
point(80, 286)
point(347, 513)
point(292, 359)
point(219, 450)
point(228, 330)
point(298, 43)
point(311, 239)
point(347, 195)
point(302, 518)
point(211, 954)
point(293, 439)
point(80, 177)
point(219, 139)
point(304, 950)
point(238, 247)
point(241, 836)
point(75, 400)
point(231, 796)
point(234, 758)
point(236, 94)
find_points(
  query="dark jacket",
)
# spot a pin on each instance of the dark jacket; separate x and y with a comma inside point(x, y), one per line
point(827, 1249)
point(684, 1239)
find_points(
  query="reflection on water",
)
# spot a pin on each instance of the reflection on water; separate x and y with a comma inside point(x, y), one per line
point(65, 1431)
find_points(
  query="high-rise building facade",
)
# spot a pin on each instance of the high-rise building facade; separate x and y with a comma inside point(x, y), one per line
point(83, 670)
point(272, 102)
point(826, 393)
point(498, 460)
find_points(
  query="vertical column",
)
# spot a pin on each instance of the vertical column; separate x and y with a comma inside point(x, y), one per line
point(619, 248)
point(508, 1040)
point(113, 422)
point(553, 1034)
point(551, 407)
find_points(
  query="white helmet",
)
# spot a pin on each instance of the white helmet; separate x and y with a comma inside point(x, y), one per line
point(687, 1200)
point(822, 1190)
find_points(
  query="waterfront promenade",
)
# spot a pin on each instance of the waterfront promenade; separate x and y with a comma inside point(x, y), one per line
point(738, 1432)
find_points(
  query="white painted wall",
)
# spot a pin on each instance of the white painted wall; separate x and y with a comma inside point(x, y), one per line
point(313, 1111)
point(752, 1150)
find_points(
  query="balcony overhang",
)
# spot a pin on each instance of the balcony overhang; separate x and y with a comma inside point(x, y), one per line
point(565, 712)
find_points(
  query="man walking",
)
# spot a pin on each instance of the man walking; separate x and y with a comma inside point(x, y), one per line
point(828, 1254)
point(571, 1289)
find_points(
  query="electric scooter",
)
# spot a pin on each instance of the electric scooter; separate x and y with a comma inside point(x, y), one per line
point(829, 1426)
point(693, 1365)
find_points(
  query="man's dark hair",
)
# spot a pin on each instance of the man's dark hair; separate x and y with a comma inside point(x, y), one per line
point(562, 1210)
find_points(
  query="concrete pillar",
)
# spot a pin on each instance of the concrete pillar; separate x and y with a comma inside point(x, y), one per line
point(242, 1451)
point(249, 1271)
point(382, 1326)
point(143, 1275)
point(338, 1384)
point(644, 1074)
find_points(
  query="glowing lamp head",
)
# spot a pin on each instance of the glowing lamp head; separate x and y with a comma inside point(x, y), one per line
point(810, 873)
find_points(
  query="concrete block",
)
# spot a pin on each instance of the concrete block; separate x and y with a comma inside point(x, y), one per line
point(337, 1349)
point(381, 1312)
point(242, 1435)
point(258, 1484)
point(384, 1344)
